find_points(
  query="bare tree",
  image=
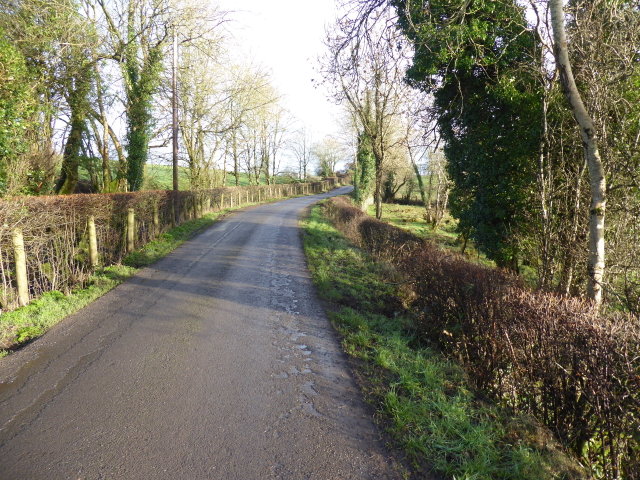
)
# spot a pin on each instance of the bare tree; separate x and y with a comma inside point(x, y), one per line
point(301, 148)
point(327, 153)
point(247, 81)
point(204, 96)
point(366, 65)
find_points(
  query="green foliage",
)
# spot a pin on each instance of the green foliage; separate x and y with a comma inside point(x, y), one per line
point(365, 173)
point(492, 140)
point(25, 334)
point(475, 57)
point(425, 399)
point(142, 81)
point(17, 106)
point(57, 42)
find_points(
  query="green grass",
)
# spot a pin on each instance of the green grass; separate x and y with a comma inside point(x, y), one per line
point(160, 177)
point(425, 400)
point(29, 322)
point(411, 217)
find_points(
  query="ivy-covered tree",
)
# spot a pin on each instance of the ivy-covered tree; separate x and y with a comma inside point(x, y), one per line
point(58, 44)
point(77, 94)
point(77, 78)
point(138, 36)
point(365, 173)
point(17, 107)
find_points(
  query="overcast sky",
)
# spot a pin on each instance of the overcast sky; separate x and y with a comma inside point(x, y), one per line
point(285, 37)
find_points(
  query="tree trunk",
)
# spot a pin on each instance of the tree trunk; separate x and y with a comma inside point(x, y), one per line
point(378, 193)
point(234, 150)
point(596, 263)
point(104, 143)
point(544, 273)
point(423, 195)
point(71, 156)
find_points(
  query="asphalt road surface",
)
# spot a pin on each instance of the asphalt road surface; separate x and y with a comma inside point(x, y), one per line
point(217, 362)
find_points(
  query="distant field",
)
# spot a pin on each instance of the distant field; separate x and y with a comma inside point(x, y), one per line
point(160, 177)
point(411, 217)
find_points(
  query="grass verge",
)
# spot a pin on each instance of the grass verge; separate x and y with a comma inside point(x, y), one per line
point(27, 323)
point(425, 401)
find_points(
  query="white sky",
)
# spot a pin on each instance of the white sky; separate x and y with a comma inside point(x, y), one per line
point(285, 37)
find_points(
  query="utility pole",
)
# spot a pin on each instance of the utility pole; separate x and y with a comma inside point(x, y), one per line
point(174, 108)
point(174, 126)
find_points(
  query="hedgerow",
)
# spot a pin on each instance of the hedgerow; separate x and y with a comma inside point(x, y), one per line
point(55, 229)
point(552, 356)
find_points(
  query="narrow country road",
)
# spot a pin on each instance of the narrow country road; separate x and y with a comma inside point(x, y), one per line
point(217, 362)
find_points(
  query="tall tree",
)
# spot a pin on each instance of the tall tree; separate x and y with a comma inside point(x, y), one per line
point(588, 133)
point(79, 64)
point(17, 108)
point(58, 43)
point(137, 36)
point(301, 148)
point(366, 65)
point(364, 184)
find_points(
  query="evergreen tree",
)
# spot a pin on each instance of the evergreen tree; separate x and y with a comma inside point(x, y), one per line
point(474, 57)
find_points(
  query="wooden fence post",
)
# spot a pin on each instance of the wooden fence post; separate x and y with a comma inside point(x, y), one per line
point(195, 207)
point(93, 242)
point(156, 218)
point(131, 230)
point(21, 267)
point(174, 211)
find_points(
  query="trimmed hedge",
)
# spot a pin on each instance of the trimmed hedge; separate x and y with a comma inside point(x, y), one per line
point(552, 356)
point(56, 234)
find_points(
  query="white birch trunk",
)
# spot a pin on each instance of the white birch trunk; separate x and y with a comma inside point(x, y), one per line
point(596, 265)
